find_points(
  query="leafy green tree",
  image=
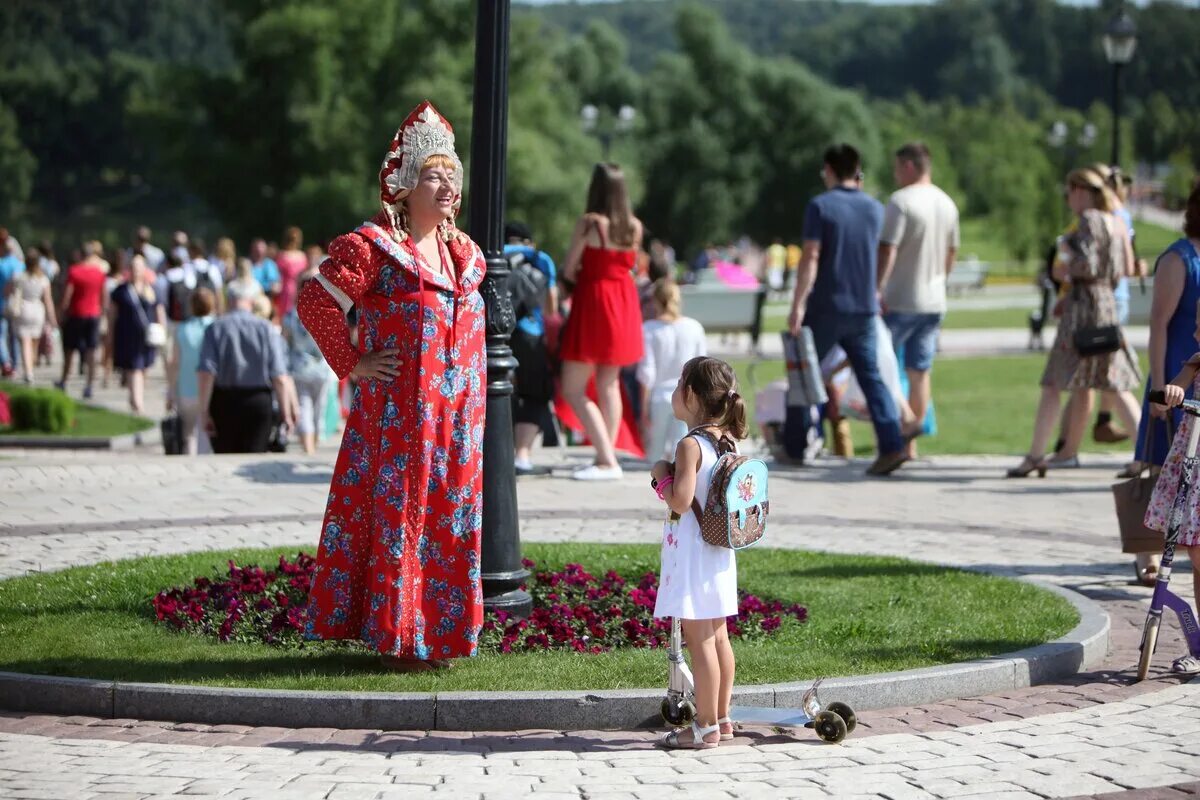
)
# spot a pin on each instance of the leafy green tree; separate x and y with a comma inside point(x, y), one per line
point(741, 154)
point(17, 165)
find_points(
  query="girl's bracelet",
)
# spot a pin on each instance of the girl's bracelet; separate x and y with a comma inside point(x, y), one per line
point(662, 485)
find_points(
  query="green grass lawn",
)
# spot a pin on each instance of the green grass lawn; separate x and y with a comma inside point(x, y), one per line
point(866, 614)
point(981, 239)
point(983, 405)
point(958, 319)
point(1153, 239)
point(90, 421)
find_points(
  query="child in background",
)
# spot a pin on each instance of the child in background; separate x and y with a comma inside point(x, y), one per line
point(698, 581)
point(670, 341)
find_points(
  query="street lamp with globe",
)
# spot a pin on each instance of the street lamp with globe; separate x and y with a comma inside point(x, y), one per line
point(1120, 43)
point(605, 126)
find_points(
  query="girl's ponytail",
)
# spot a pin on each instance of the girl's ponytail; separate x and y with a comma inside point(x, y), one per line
point(733, 419)
point(714, 384)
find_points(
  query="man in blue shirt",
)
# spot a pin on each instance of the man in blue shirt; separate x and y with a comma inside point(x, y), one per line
point(264, 269)
point(534, 384)
point(10, 266)
point(836, 290)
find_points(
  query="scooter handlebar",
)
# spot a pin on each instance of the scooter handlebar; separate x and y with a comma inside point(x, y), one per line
point(1188, 406)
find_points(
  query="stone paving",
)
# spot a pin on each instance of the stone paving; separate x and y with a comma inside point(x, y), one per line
point(1093, 734)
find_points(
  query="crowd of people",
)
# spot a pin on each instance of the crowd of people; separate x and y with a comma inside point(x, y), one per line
point(241, 371)
point(258, 344)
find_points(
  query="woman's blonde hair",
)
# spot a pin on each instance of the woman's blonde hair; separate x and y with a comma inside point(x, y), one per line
point(667, 298)
point(226, 252)
point(1113, 178)
point(245, 269)
point(1103, 197)
point(437, 160)
point(263, 307)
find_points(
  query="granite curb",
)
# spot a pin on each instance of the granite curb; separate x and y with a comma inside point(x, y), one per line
point(1084, 647)
point(127, 441)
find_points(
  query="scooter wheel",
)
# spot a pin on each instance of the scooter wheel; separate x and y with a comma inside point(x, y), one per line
point(846, 713)
point(677, 712)
point(830, 727)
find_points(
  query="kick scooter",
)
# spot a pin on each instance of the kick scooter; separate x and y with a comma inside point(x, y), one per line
point(1162, 595)
point(831, 723)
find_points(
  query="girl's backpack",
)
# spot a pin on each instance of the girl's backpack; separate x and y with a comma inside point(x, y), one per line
point(735, 513)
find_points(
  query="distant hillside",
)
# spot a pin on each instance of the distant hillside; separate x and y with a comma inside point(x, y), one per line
point(960, 48)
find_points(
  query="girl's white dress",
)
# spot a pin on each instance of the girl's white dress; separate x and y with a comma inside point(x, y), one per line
point(697, 580)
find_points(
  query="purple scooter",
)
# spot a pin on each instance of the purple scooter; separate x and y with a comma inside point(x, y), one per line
point(1162, 595)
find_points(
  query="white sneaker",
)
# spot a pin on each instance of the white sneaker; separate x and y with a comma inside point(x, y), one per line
point(598, 473)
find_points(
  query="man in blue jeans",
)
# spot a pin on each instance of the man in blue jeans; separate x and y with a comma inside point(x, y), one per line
point(917, 250)
point(835, 291)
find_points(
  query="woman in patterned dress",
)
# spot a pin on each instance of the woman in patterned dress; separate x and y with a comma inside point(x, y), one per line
point(398, 565)
point(1093, 259)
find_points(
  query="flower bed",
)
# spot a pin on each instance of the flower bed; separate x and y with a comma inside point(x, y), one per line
point(573, 610)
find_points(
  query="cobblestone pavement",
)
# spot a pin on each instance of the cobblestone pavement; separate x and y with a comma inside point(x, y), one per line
point(1095, 733)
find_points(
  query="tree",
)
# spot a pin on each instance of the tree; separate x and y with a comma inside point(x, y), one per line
point(17, 165)
point(739, 155)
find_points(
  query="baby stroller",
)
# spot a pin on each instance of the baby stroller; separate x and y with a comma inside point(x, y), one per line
point(832, 723)
point(1163, 596)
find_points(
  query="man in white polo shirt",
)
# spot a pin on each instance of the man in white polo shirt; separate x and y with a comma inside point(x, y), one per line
point(916, 253)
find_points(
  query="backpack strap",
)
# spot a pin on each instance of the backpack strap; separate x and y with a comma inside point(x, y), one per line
point(722, 444)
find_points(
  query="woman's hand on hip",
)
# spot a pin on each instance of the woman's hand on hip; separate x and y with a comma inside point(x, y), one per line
point(377, 364)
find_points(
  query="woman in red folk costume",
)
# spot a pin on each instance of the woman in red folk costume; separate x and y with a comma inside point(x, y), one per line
point(398, 565)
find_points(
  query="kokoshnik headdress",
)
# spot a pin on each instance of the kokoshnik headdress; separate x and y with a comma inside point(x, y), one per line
point(423, 133)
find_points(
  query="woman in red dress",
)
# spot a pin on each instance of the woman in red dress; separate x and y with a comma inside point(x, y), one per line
point(398, 565)
point(604, 330)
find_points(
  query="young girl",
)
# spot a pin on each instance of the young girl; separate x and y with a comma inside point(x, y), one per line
point(1158, 513)
point(698, 582)
point(670, 341)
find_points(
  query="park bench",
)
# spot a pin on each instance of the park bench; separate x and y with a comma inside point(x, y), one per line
point(721, 309)
point(968, 274)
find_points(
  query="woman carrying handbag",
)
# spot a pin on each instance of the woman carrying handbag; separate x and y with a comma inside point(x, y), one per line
point(137, 328)
point(1090, 350)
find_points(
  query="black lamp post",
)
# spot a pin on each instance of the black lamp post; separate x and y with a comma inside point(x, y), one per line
point(1120, 42)
point(502, 571)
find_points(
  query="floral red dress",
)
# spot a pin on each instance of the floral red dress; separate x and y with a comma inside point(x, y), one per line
point(398, 564)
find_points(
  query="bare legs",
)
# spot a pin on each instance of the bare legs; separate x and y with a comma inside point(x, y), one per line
point(712, 669)
point(1043, 426)
point(137, 389)
point(524, 437)
point(1079, 410)
point(68, 359)
point(28, 352)
point(608, 389)
point(600, 423)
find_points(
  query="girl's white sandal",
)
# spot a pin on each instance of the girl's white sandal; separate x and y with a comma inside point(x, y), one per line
point(1186, 665)
point(721, 723)
point(671, 740)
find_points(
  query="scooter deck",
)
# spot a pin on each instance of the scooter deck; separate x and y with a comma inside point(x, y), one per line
point(758, 715)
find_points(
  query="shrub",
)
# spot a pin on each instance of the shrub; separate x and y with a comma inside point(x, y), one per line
point(572, 610)
point(42, 410)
